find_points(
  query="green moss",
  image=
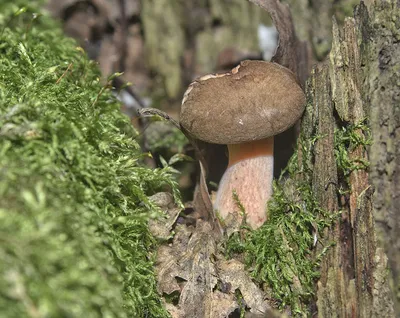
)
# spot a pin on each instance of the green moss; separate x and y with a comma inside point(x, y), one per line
point(240, 300)
point(74, 205)
point(346, 140)
point(162, 137)
point(280, 255)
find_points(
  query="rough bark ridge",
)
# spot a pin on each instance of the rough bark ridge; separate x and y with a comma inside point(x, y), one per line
point(384, 96)
point(350, 97)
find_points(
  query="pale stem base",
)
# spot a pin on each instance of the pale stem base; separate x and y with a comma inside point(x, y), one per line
point(250, 173)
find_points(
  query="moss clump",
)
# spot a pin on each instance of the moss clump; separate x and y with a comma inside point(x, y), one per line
point(164, 138)
point(346, 140)
point(74, 205)
point(280, 254)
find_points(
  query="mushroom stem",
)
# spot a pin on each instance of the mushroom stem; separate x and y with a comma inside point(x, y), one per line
point(252, 149)
point(249, 173)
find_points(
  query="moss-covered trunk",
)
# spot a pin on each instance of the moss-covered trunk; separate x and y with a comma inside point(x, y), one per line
point(75, 200)
point(353, 115)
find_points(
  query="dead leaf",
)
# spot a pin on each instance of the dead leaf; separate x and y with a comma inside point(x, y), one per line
point(161, 228)
point(206, 282)
point(173, 310)
point(232, 223)
point(189, 260)
point(234, 273)
point(220, 305)
point(202, 202)
point(168, 270)
point(269, 314)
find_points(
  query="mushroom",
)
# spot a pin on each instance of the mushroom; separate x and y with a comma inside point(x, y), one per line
point(244, 109)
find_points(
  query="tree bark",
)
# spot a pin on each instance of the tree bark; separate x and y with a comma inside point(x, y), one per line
point(352, 127)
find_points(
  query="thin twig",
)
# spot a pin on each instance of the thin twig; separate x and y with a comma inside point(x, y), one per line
point(65, 72)
point(106, 86)
point(149, 112)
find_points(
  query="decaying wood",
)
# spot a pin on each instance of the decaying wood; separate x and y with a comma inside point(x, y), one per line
point(342, 93)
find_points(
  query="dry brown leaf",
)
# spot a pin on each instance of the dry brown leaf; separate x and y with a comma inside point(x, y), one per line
point(174, 311)
point(202, 202)
point(234, 273)
point(205, 281)
point(161, 228)
point(189, 261)
point(232, 223)
point(220, 304)
point(168, 270)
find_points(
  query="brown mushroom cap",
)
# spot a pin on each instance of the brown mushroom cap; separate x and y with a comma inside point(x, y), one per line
point(255, 100)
